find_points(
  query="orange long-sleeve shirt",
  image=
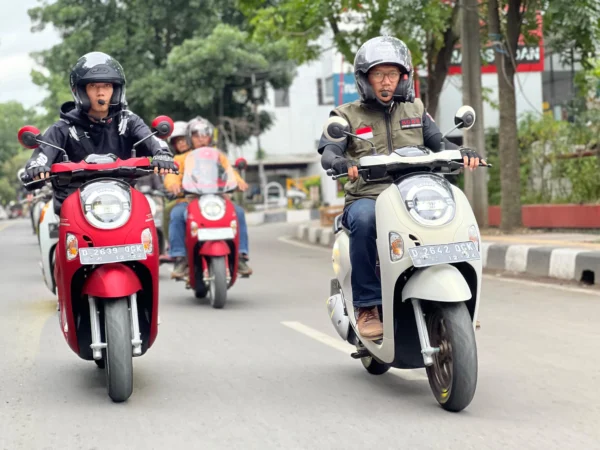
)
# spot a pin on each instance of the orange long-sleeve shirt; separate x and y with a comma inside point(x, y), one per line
point(172, 179)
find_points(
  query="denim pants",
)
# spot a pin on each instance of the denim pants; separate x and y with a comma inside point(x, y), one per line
point(359, 218)
point(177, 230)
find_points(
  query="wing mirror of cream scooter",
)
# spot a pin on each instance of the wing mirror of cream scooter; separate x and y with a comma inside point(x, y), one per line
point(337, 129)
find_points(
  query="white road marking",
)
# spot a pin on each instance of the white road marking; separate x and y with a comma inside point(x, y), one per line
point(549, 285)
point(338, 344)
point(292, 241)
point(6, 225)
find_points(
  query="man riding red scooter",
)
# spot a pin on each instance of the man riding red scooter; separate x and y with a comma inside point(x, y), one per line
point(212, 235)
point(107, 254)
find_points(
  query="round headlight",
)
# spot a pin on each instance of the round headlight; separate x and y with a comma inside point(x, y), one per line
point(106, 204)
point(428, 199)
point(212, 207)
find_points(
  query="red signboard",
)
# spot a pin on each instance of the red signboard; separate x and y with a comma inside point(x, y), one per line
point(529, 57)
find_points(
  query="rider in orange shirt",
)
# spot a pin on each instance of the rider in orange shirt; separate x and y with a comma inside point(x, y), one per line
point(199, 134)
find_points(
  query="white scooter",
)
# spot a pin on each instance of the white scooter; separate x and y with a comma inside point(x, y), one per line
point(428, 246)
point(48, 236)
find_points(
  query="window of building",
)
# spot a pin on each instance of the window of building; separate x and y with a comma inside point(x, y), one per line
point(282, 98)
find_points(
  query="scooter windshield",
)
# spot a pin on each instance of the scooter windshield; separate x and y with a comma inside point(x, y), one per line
point(207, 171)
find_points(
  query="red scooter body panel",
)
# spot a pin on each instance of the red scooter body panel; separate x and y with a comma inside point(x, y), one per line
point(111, 281)
point(214, 248)
point(207, 249)
point(72, 278)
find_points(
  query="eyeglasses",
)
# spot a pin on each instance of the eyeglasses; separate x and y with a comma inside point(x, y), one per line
point(379, 76)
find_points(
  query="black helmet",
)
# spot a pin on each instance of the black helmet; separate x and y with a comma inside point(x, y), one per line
point(97, 67)
point(384, 50)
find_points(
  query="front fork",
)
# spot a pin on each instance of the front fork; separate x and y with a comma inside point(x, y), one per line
point(426, 349)
point(97, 344)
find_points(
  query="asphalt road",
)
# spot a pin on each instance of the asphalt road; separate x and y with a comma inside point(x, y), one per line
point(269, 371)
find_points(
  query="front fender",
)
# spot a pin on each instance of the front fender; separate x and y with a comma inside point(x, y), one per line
point(112, 281)
point(441, 283)
point(214, 248)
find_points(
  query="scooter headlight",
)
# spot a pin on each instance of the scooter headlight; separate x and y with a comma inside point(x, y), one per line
point(428, 199)
point(106, 204)
point(212, 207)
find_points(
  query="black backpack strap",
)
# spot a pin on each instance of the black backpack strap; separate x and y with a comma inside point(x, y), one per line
point(82, 137)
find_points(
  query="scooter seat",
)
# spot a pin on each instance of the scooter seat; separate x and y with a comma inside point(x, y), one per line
point(338, 226)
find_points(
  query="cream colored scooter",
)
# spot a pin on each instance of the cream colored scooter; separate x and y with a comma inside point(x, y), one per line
point(428, 246)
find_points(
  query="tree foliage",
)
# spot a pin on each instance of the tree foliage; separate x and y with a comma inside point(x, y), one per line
point(428, 27)
point(573, 29)
point(179, 57)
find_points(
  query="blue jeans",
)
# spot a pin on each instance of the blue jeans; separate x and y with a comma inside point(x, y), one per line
point(359, 218)
point(177, 230)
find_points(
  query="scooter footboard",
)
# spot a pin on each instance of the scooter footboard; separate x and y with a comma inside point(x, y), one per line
point(441, 283)
point(112, 281)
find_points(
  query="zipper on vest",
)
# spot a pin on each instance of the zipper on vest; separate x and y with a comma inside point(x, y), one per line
point(388, 128)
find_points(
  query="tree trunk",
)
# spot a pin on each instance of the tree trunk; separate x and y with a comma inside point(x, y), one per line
point(439, 64)
point(475, 182)
point(510, 175)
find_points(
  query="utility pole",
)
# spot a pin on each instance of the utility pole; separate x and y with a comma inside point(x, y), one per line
point(259, 154)
point(475, 182)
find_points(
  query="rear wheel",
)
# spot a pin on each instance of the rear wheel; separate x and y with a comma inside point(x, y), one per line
point(453, 375)
point(119, 351)
point(218, 284)
point(373, 366)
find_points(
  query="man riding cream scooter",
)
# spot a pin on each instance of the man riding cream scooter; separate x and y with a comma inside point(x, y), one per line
point(199, 133)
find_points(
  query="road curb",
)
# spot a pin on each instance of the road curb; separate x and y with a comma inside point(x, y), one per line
point(563, 263)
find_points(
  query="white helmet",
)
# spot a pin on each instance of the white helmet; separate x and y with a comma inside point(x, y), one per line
point(201, 126)
point(179, 129)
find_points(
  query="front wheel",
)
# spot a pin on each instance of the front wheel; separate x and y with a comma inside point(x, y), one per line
point(218, 283)
point(453, 375)
point(119, 351)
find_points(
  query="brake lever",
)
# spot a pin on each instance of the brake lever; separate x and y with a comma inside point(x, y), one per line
point(342, 175)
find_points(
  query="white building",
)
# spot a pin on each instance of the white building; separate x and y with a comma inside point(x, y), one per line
point(301, 111)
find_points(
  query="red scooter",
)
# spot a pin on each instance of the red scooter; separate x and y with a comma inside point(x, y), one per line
point(106, 259)
point(212, 240)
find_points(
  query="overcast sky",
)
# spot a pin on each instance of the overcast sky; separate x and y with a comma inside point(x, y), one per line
point(16, 43)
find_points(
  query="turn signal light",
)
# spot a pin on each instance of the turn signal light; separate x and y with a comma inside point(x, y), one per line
point(396, 247)
point(147, 241)
point(72, 247)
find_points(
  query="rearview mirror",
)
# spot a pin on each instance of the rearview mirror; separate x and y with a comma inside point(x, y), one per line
point(28, 137)
point(336, 128)
point(163, 125)
point(465, 117)
point(241, 164)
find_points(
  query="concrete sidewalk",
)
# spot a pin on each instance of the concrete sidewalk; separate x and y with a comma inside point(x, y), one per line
point(565, 256)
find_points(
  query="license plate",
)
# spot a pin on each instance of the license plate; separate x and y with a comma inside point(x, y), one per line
point(105, 255)
point(430, 255)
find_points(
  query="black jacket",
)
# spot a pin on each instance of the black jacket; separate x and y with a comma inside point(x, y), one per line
point(80, 137)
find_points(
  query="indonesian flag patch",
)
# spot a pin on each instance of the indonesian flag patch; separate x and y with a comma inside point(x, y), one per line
point(415, 122)
point(365, 133)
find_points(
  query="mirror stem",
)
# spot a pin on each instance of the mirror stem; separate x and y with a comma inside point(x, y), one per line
point(451, 130)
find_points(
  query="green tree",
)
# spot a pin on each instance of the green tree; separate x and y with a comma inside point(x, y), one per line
point(9, 184)
point(182, 58)
point(13, 116)
point(507, 21)
point(572, 29)
point(428, 27)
